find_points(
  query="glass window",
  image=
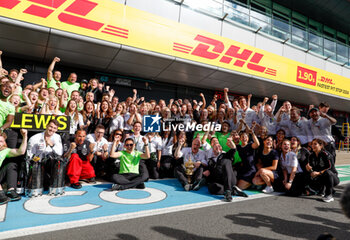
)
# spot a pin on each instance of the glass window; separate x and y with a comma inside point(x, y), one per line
point(208, 6)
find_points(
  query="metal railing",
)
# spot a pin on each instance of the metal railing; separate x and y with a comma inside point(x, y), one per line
point(307, 39)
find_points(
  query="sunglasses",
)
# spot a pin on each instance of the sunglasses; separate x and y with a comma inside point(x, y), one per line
point(118, 134)
point(129, 145)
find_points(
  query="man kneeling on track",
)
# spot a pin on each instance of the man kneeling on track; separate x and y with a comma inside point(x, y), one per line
point(222, 177)
point(129, 176)
point(80, 155)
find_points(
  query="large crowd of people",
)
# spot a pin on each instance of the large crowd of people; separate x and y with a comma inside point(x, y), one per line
point(254, 147)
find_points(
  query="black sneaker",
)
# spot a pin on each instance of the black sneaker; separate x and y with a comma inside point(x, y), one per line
point(13, 196)
point(3, 198)
point(76, 185)
point(228, 196)
point(141, 186)
point(92, 180)
point(116, 187)
point(239, 192)
point(198, 185)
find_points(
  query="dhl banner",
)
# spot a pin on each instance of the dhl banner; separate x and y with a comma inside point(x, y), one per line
point(39, 122)
point(115, 22)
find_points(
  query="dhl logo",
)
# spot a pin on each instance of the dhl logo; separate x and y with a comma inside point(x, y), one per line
point(212, 49)
point(75, 14)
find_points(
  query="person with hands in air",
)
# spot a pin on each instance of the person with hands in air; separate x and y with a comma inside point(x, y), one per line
point(129, 176)
point(80, 154)
point(53, 77)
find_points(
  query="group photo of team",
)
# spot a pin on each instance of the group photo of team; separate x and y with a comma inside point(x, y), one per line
point(270, 146)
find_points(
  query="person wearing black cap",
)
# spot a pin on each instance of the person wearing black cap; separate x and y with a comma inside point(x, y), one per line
point(83, 88)
point(321, 125)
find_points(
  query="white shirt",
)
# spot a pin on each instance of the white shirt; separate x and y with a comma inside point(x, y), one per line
point(250, 116)
point(284, 117)
point(74, 124)
point(167, 147)
point(322, 129)
point(269, 122)
point(98, 145)
point(290, 161)
point(37, 146)
point(139, 145)
point(300, 129)
point(187, 153)
point(116, 123)
point(155, 144)
point(126, 118)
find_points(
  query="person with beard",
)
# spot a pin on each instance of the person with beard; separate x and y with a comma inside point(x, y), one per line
point(53, 77)
point(80, 155)
point(8, 170)
point(321, 128)
point(45, 144)
point(221, 175)
point(7, 114)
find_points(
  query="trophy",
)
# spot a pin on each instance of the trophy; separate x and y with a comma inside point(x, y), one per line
point(189, 166)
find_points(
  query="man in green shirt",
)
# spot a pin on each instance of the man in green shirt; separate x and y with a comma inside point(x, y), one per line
point(53, 80)
point(129, 176)
point(8, 170)
point(71, 84)
point(223, 135)
point(7, 114)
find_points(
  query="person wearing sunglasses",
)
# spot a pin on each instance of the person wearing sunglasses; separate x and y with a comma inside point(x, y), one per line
point(129, 175)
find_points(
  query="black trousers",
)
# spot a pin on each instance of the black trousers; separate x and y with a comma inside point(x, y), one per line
point(182, 177)
point(127, 180)
point(9, 171)
point(152, 168)
point(298, 185)
point(12, 137)
point(330, 147)
point(167, 164)
point(222, 177)
point(328, 180)
point(143, 170)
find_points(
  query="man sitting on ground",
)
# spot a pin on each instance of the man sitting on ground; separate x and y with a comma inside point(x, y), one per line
point(80, 155)
point(128, 176)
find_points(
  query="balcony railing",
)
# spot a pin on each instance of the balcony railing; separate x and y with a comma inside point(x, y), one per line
point(306, 39)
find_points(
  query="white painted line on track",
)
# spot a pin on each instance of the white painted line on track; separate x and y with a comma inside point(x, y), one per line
point(93, 221)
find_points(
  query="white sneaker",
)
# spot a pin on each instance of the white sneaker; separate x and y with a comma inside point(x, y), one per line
point(268, 189)
point(328, 198)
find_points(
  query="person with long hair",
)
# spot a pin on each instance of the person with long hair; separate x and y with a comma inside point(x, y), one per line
point(75, 117)
point(246, 151)
point(155, 147)
point(321, 170)
point(88, 114)
point(104, 115)
point(167, 161)
point(118, 119)
point(292, 172)
point(51, 107)
point(268, 171)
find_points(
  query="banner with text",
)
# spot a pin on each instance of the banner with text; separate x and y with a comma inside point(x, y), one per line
point(115, 22)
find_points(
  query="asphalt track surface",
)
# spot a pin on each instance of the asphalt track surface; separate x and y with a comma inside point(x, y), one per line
point(272, 217)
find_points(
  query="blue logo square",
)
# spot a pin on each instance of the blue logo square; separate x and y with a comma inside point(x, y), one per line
point(151, 123)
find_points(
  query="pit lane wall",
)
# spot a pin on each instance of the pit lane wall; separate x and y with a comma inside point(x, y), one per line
point(115, 22)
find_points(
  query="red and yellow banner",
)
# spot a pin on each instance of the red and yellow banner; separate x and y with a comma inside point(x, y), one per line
point(115, 22)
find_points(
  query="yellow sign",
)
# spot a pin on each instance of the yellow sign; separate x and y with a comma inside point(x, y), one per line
point(115, 22)
point(39, 122)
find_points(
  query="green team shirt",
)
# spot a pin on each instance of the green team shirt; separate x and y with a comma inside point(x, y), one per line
point(222, 138)
point(4, 154)
point(129, 162)
point(52, 84)
point(6, 108)
point(70, 87)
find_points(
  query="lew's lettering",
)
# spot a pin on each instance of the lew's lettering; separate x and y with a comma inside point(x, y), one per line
point(38, 122)
point(212, 49)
